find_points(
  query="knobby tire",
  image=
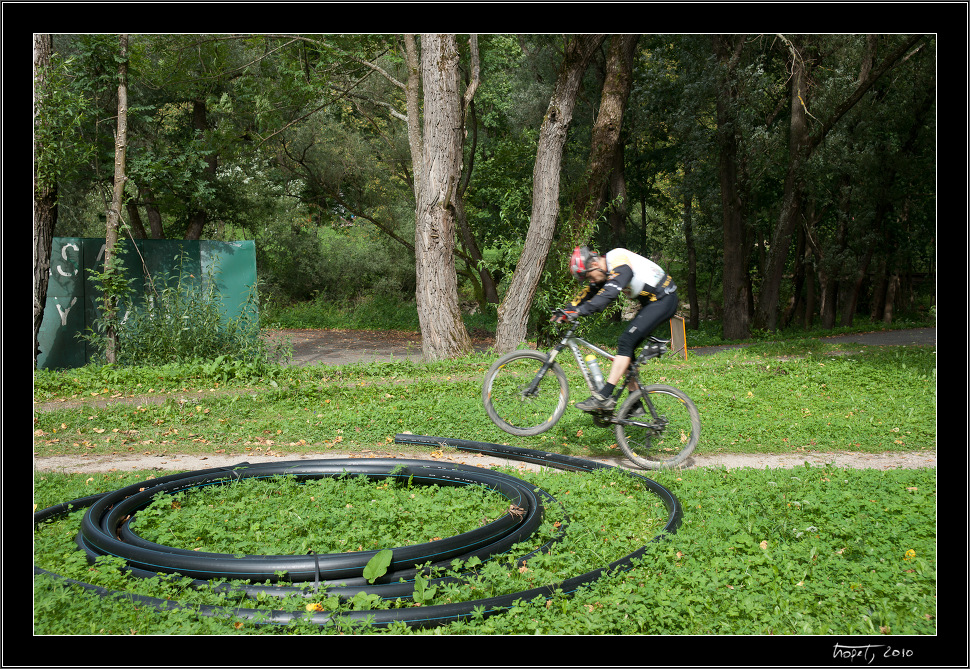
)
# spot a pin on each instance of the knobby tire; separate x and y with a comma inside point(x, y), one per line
point(651, 450)
point(510, 408)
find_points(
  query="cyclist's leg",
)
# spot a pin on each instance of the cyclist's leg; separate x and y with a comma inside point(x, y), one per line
point(641, 326)
point(647, 319)
point(645, 322)
point(620, 364)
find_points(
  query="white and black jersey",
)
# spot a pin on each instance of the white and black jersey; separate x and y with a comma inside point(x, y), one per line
point(627, 273)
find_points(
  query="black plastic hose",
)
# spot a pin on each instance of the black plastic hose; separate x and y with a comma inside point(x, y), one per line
point(397, 585)
point(109, 518)
point(107, 514)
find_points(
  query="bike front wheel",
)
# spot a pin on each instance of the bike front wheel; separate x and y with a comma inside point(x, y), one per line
point(664, 437)
point(520, 402)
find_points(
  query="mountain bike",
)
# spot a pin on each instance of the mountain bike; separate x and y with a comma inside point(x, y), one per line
point(526, 392)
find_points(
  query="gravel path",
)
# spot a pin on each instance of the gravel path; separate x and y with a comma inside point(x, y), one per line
point(341, 347)
point(175, 462)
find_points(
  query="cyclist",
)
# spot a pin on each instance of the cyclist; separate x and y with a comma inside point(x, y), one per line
point(608, 275)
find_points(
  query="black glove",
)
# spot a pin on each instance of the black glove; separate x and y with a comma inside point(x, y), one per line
point(563, 315)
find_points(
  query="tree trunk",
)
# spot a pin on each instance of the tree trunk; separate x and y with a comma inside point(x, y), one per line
point(830, 296)
point(799, 279)
point(892, 291)
point(489, 289)
point(879, 221)
point(801, 146)
point(117, 197)
point(134, 220)
point(810, 293)
point(513, 312)
point(691, 264)
point(852, 296)
point(735, 319)
point(154, 215)
point(604, 140)
point(198, 217)
point(618, 193)
point(437, 167)
point(766, 311)
point(879, 282)
point(45, 193)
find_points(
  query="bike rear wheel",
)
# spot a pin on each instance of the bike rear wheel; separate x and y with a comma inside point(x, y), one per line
point(512, 406)
point(666, 441)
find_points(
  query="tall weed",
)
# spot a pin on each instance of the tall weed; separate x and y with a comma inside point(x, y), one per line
point(181, 319)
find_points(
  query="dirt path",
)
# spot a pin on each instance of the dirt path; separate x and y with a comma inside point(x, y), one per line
point(170, 462)
point(341, 347)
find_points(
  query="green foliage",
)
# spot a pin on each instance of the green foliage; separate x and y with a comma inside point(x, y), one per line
point(377, 565)
point(181, 320)
point(796, 397)
point(295, 155)
point(293, 517)
point(332, 266)
point(61, 114)
point(375, 312)
point(788, 552)
point(115, 286)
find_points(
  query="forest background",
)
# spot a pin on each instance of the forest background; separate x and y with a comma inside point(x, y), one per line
point(783, 180)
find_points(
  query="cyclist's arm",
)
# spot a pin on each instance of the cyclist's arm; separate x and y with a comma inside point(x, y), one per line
point(618, 279)
point(583, 296)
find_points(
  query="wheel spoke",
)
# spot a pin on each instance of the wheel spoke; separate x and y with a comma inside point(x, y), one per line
point(512, 406)
point(666, 441)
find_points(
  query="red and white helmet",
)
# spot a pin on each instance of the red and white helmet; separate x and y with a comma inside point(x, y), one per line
point(582, 262)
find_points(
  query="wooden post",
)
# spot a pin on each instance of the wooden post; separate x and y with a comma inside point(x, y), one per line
point(678, 336)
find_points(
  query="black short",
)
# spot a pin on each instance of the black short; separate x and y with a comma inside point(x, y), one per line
point(647, 319)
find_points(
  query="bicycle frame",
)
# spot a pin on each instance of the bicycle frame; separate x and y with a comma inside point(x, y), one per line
point(527, 392)
point(574, 342)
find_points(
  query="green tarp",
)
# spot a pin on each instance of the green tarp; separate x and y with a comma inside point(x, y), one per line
point(73, 299)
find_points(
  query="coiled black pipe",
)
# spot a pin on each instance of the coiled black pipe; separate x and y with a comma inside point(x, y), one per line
point(96, 535)
point(107, 519)
point(401, 587)
point(340, 573)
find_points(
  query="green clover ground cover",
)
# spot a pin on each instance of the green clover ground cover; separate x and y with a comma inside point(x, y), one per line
point(809, 550)
point(281, 516)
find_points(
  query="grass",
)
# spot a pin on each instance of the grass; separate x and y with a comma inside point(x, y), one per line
point(803, 551)
point(759, 399)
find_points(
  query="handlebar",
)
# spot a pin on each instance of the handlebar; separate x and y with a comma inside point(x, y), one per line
point(560, 315)
point(571, 326)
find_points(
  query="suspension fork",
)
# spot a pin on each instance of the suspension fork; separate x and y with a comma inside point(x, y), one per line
point(551, 359)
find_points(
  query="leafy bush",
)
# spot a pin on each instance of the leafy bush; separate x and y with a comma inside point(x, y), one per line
point(373, 312)
point(182, 320)
point(337, 266)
